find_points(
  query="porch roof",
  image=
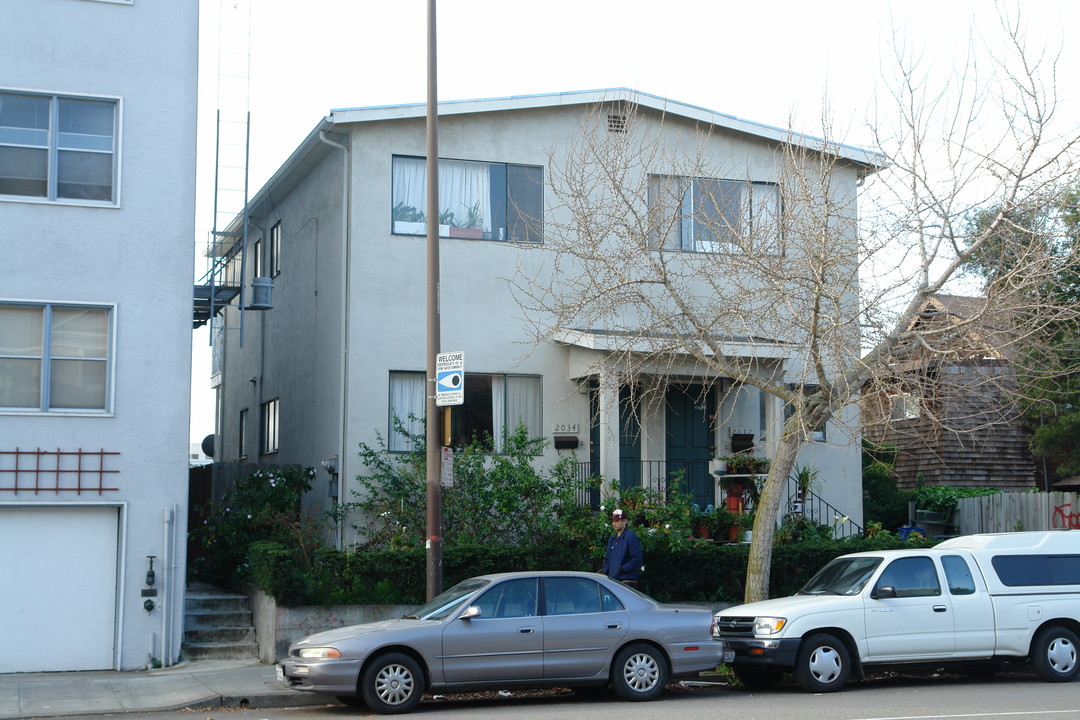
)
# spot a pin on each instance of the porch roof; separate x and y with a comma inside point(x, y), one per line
point(742, 346)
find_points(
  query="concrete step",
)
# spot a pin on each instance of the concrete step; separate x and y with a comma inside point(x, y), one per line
point(204, 619)
point(217, 626)
point(219, 651)
point(219, 635)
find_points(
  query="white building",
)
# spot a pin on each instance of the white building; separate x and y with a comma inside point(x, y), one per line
point(97, 197)
point(339, 230)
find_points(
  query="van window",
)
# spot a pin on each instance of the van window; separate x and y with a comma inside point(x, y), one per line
point(1026, 570)
point(958, 575)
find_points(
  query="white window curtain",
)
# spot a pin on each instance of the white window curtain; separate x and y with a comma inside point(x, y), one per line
point(498, 411)
point(410, 183)
point(523, 404)
point(406, 397)
point(465, 191)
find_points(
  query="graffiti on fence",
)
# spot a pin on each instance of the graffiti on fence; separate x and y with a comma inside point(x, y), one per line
point(1064, 519)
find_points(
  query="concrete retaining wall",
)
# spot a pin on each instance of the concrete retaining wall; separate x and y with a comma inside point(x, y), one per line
point(277, 627)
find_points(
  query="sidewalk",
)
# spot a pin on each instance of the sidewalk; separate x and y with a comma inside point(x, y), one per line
point(222, 683)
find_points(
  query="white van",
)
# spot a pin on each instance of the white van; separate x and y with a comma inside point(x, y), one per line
point(978, 600)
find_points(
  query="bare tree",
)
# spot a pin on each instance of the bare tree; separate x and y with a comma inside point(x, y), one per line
point(783, 287)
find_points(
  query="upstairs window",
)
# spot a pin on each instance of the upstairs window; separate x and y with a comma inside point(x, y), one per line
point(54, 358)
point(477, 200)
point(58, 148)
point(712, 216)
point(275, 250)
point(270, 427)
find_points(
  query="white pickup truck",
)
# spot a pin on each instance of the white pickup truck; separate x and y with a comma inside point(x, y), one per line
point(979, 600)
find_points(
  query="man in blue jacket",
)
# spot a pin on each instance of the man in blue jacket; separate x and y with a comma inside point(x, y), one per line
point(622, 559)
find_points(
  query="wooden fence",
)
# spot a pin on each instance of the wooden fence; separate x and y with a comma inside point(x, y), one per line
point(1009, 512)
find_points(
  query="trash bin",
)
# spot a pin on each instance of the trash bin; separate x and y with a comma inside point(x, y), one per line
point(907, 530)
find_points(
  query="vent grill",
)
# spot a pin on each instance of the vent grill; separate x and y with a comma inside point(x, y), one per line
point(616, 123)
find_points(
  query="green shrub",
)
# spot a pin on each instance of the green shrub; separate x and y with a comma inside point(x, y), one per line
point(264, 506)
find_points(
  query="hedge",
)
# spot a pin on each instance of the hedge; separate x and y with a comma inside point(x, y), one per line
point(700, 571)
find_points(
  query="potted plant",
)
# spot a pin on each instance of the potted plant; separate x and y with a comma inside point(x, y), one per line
point(408, 220)
point(472, 226)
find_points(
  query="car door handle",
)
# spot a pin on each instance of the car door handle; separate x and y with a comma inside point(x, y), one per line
point(613, 626)
point(940, 608)
point(526, 630)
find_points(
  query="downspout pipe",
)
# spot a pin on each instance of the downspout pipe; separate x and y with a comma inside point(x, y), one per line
point(343, 373)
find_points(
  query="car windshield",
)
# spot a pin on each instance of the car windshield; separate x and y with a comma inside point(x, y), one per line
point(446, 603)
point(843, 576)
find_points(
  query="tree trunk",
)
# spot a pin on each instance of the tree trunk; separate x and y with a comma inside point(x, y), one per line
point(760, 560)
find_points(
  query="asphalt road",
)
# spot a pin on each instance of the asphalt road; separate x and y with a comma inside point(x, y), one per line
point(926, 696)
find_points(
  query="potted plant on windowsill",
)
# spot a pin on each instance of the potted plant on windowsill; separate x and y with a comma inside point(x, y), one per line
point(408, 220)
point(472, 227)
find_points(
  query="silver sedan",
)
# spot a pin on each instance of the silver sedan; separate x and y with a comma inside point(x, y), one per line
point(510, 630)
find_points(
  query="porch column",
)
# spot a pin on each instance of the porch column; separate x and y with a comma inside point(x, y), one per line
point(608, 420)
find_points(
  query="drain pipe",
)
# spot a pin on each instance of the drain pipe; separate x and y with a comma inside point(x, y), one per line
point(346, 224)
point(166, 588)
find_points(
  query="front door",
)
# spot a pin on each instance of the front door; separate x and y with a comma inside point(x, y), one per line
point(690, 409)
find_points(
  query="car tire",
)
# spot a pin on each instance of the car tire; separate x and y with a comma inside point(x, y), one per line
point(640, 672)
point(392, 683)
point(823, 664)
point(1054, 654)
point(756, 678)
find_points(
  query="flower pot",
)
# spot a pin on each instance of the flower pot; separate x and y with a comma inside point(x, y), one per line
point(733, 534)
point(701, 531)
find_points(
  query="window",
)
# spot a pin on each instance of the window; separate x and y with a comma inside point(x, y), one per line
point(241, 450)
point(257, 259)
point(58, 148)
point(818, 434)
point(904, 406)
point(510, 599)
point(571, 596)
point(958, 575)
point(1025, 570)
point(911, 577)
point(494, 405)
point(478, 200)
point(54, 357)
point(275, 250)
point(270, 427)
point(707, 215)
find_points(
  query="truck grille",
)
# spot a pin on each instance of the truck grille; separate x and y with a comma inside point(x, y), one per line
point(735, 625)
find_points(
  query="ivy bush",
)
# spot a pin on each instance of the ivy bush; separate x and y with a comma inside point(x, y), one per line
point(264, 506)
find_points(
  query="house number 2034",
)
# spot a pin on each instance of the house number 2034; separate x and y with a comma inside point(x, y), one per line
point(566, 427)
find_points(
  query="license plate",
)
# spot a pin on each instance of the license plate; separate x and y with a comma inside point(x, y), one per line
point(280, 673)
point(729, 655)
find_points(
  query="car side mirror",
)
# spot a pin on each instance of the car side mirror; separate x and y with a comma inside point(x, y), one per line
point(885, 591)
point(473, 611)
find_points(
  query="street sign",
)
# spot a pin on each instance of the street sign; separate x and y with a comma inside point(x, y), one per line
point(449, 378)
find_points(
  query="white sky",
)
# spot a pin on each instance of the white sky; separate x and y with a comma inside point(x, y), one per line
point(767, 62)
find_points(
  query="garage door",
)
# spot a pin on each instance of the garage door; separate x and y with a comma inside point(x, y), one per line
point(58, 588)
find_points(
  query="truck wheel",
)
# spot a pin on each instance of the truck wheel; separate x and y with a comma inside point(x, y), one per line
point(1054, 654)
point(823, 664)
point(639, 673)
point(392, 683)
point(756, 678)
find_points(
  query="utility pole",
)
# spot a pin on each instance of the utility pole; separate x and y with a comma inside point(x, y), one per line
point(433, 544)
